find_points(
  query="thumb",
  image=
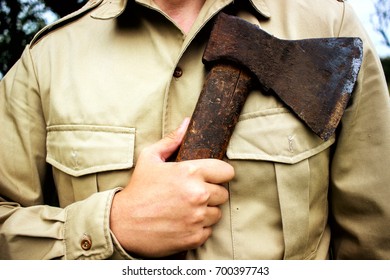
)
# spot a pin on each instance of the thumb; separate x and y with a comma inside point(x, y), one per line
point(171, 142)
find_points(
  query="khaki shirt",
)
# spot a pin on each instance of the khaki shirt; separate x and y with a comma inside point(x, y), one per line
point(92, 90)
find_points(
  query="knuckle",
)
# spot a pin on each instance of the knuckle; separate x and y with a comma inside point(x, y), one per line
point(199, 237)
point(198, 196)
point(145, 151)
point(198, 216)
point(189, 168)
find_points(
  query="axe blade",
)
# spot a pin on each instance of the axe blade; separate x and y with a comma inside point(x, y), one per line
point(313, 77)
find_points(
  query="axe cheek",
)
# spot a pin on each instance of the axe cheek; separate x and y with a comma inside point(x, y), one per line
point(312, 77)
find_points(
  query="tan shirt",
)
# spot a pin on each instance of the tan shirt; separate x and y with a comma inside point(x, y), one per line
point(92, 90)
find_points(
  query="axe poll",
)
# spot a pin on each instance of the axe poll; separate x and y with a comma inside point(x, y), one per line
point(313, 77)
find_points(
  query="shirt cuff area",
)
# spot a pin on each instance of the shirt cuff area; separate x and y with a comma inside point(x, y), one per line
point(87, 227)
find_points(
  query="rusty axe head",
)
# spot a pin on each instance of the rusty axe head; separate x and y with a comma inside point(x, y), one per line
point(313, 77)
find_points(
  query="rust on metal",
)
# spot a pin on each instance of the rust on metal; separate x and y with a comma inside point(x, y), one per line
point(313, 77)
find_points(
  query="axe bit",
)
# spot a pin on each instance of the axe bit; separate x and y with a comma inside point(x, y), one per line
point(313, 77)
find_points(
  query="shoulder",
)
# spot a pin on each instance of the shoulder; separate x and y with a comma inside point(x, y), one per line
point(309, 9)
point(87, 8)
point(321, 5)
point(300, 19)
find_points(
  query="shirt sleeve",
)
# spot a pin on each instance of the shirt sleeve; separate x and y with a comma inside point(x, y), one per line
point(79, 231)
point(29, 229)
point(360, 191)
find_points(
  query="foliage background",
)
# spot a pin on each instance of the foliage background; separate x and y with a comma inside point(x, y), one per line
point(21, 19)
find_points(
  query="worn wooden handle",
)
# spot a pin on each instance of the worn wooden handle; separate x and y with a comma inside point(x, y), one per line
point(215, 116)
point(216, 113)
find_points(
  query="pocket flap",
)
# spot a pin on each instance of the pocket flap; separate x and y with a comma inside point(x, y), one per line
point(274, 135)
point(83, 149)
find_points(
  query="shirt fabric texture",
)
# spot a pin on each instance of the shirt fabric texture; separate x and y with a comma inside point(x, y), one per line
point(96, 87)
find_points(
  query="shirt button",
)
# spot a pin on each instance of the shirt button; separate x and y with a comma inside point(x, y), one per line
point(86, 242)
point(178, 72)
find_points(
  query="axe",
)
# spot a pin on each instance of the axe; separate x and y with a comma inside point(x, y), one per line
point(314, 78)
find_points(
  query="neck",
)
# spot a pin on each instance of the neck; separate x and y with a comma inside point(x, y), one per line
point(182, 12)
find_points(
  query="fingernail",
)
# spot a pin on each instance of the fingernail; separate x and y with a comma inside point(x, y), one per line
point(183, 126)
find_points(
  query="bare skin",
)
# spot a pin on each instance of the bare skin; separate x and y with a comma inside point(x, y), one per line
point(182, 12)
point(169, 207)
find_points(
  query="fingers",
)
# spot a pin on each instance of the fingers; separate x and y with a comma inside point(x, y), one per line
point(172, 205)
point(209, 213)
point(211, 170)
point(213, 215)
point(217, 195)
point(164, 148)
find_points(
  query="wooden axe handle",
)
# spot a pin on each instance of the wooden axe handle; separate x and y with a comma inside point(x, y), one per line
point(216, 113)
point(215, 116)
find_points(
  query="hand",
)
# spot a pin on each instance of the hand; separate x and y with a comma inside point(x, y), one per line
point(169, 207)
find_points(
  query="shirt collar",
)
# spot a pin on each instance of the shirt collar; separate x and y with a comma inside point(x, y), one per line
point(113, 8)
point(261, 7)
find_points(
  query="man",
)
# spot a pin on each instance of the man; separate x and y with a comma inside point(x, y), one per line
point(92, 96)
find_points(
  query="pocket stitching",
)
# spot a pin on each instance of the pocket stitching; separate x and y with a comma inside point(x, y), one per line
point(67, 160)
point(311, 144)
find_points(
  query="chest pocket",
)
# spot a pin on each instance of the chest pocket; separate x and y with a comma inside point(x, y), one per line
point(274, 135)
point(278, 137)
point(79, 152)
